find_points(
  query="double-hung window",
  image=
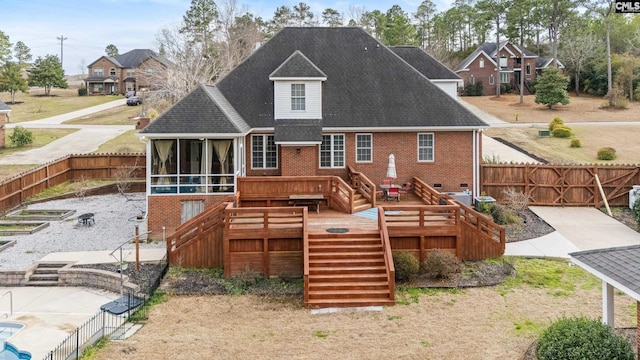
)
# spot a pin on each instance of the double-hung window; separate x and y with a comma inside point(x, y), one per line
point(364, 148)
point(298, 100)
point(98, 72)
point(504, 78)
point(264, 154)
point(332, 151)
point(425, 147)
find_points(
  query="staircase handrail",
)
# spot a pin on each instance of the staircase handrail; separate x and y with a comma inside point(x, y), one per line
point(388, 254)
point(363, 185)
point(305, 253)
point(342, 194)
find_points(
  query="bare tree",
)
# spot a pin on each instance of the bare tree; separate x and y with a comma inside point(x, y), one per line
point(82, 66)
point(578, 46)
point(238, 35)
point(191, 64)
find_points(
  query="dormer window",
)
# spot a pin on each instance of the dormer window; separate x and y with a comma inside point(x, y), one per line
point(298, 99)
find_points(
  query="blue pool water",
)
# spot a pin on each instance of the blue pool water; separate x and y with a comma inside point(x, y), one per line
point(10, 352)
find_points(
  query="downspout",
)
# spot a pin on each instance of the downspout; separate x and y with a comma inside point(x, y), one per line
point(147, 142)
point(476, 185)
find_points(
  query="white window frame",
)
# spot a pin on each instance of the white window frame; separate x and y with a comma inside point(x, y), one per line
point(528, 69)
point(364, 149)
point(431, 147)
point(491, 79)
point(112, 72)
point(505, 78)
point(481, 63)
point(264, 151)
point(472, 80)
point(97, 72)
point(336, 154)
point(503, 61)
point(298, 97)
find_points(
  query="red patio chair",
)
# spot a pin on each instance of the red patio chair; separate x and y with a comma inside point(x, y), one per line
point(406, 187)
point(393, 192)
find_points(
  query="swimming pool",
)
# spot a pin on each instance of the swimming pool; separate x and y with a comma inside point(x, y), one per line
point(10, 352)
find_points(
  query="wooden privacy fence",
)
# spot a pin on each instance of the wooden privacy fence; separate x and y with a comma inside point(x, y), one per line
point(15, 191)
point(570, 185)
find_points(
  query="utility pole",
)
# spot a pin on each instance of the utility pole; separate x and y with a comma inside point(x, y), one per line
point(62, 39)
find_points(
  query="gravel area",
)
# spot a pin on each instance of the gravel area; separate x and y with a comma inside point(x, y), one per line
point(115, 221)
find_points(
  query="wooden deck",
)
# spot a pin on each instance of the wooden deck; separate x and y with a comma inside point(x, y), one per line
point(263, 233)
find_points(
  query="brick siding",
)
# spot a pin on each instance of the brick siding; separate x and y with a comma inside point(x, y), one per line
point(165, 210)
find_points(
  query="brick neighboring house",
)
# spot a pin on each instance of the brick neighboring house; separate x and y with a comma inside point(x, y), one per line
point(130, 71)
point(481, 64)
point(4, 116)
point(309, 102)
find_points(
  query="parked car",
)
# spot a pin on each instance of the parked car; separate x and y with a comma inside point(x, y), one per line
point(134, 100)
point(130, 93)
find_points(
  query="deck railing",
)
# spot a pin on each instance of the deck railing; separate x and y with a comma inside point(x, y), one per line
point(482, 238)
point(197, 242)
point(264, 239)
point(361, 183)
point(342, 195)
point(305, 254)
point(388, 254)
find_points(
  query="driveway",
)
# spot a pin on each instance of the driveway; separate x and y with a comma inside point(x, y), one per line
point(87, 139)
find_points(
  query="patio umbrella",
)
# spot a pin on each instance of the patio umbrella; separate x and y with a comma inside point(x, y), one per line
point(391, 169)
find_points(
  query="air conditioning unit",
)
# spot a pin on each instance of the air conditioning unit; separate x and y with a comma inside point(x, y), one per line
point(464, 197)
point(634, 194)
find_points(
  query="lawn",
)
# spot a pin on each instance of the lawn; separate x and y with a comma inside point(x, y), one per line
point(126, 143)
point(35, 105)
point(498, 322)
point(41, 137)
point(583, 110)
point(120, 115)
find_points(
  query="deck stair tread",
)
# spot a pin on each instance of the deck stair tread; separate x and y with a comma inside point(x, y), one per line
point(347, 270)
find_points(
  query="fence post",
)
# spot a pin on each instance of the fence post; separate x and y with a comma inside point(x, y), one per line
point(78, 343)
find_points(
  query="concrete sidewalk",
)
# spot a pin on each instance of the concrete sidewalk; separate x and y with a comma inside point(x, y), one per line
point(577, 228)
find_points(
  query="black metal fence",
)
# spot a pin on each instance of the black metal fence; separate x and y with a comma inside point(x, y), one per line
point(105, 324)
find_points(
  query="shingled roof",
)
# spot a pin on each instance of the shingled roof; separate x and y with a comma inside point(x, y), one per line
point(619, 266)
point(367, 85)
point(425, 63)
point(134, 58)
point(4, 107)
point(204, 111)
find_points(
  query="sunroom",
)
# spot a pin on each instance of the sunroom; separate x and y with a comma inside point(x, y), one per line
point(193, 166)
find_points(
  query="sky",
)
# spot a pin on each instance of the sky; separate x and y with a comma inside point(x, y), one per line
point(87, 27)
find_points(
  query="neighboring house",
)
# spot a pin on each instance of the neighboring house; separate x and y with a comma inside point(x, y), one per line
point(4, 118)
point(481, 65)
point(543, 63)
point(434, 70)
point(130, 71)
point(309, 102)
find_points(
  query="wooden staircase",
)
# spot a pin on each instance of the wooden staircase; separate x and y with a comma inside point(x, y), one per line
point(45, 274)
point(360, 203)
point(347, 270)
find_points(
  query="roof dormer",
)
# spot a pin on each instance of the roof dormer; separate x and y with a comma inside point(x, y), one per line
point(297, 88)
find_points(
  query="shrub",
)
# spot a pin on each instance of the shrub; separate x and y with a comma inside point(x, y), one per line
point(441, 264)
point(561, 131)
point(21, 136)
point(555, 122)
point(582, 338)
point(606, 153)
point(515, 200)
point(406, 265)
point(575, 143)
point(473, 90)
point(82, 91)
point(636, 211)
